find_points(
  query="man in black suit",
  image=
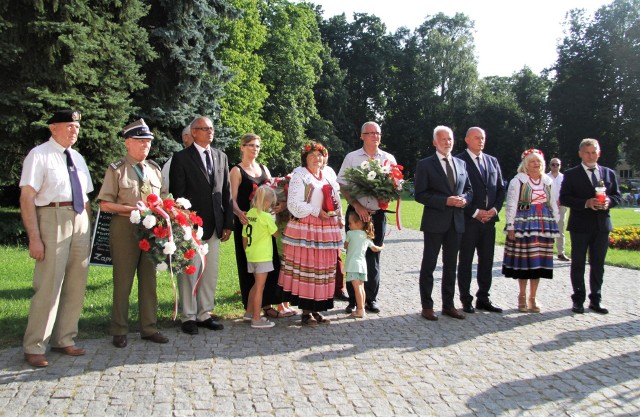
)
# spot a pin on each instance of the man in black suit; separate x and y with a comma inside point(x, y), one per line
point(589, 222)
point(442, 185)
point(480, 217)
point(200, 173)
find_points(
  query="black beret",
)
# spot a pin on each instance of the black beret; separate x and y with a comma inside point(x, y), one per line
point(65, 116)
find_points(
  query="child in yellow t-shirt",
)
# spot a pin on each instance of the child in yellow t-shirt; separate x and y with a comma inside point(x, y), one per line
point(256, 239)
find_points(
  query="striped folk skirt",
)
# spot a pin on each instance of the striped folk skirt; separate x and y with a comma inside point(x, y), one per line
point(530, 255)
point(307, 275)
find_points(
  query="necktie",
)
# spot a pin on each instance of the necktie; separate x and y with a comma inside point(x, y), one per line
point(482, 171)
point(594, 179)
point(76, 189)
point(450, 177)
point(207, 157)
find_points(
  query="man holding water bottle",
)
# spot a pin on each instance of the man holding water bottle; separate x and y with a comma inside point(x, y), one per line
point(589, 222)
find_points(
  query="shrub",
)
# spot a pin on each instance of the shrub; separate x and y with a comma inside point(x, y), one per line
point(11, 229)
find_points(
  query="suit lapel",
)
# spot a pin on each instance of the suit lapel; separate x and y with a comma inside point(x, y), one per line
point(197, 160)
point(438, 168)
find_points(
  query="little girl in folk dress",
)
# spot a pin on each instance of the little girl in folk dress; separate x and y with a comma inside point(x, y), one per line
point(359, 239)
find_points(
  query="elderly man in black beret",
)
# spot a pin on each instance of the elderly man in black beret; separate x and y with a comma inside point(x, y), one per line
point(55, 212)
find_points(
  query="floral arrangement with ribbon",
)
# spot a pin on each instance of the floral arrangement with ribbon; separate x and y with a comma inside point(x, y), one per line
point(382, 181)
point(170, 234)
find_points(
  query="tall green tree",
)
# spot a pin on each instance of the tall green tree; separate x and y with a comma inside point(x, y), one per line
point(597, 83)
point(244, 96)
point(68, 54)
point(187, 78)
point(292, 57)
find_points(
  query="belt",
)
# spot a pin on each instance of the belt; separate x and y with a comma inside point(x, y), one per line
point(60, 204)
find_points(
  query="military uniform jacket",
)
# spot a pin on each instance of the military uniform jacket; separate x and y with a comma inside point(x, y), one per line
point(122, 185)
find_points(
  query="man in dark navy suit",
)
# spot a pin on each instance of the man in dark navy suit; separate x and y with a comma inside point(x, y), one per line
point(589, 222)
point(200, 173)
point(442, 185)
point(480, 217)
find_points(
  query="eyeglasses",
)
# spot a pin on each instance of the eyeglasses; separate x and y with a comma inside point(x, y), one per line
point(204, 129)
point(373, 133)
point(555, 165)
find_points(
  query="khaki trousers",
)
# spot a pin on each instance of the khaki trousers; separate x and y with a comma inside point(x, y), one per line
point(59, 280)
point(199, 306)
point(127, 259)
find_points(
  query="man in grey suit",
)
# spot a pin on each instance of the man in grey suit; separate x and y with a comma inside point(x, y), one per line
point(442, 185)
point(480, 217)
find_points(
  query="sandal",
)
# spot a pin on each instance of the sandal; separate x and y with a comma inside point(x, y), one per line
point(533, 307)
point(274, 314)
point(522, 303)
point(308, 320)
point(320, 318)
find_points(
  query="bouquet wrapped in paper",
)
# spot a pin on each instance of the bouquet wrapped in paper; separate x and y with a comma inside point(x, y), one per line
point(383, 181)
point(170, 235)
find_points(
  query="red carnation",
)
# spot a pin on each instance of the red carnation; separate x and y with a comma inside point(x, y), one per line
point(190, 254)
point(160, 232)
point(182, 219)
point(144, 243)
point(168, 204)
point(198, 221)
point(190, 270)
point(152, 199)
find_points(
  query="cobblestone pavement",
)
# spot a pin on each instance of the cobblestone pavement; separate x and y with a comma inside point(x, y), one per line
point(392, 363)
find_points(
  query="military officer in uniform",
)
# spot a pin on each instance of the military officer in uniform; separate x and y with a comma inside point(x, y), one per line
point(126, 182)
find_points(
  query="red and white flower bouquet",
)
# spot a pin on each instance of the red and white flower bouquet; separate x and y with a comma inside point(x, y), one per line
point(170, 234)
point(373, 179)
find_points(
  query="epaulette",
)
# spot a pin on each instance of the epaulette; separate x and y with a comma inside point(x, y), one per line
point(117, 164)
point(153, 163)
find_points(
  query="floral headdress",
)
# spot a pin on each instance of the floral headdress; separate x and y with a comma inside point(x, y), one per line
point(530, 151)
point(312, 147)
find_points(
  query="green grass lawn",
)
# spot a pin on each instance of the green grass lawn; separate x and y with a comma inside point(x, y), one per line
point(16, 270)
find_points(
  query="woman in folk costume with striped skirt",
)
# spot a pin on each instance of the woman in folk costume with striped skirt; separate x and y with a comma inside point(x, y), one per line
point(532, 225)
point(312, 238)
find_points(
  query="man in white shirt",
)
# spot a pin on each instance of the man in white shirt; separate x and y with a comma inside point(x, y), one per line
point(56, 211)
point(557, 176)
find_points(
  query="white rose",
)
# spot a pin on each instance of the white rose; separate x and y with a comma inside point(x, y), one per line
point(371, 175)
point(365, 165)
point(199, 233)
point(169, 248)
point(204, 249)
point(149, 221)
point(187, 232)
point(186, 204)
point(162, 266)
point(134, 217)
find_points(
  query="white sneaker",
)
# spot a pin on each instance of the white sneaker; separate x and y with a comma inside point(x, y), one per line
point(263, 323)
point(247, 317)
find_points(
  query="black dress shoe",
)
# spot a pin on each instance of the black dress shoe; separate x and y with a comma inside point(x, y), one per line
point(120, 341)
point(598, 309)
point(488, 306)
point(209, 324)
point(372, 307)
point(157, 337)
point(468, 308)
point(577, 308)
point(340, 295)
point(350, 308)
point(189, 327)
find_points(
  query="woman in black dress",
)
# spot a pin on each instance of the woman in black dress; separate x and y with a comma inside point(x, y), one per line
point(246, 177)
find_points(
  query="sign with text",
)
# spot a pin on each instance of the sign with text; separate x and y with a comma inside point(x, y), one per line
point(100, 251)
